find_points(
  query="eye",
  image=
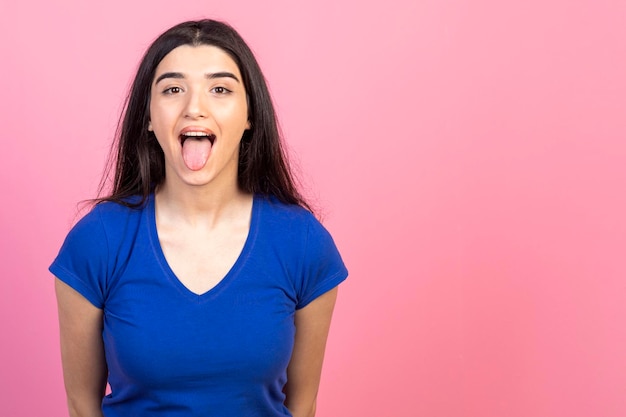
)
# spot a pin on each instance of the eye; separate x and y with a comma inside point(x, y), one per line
point(220, 90)
point(173, 90)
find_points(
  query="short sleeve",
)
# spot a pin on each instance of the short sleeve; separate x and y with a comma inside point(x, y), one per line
point(82, 260)
point(323, 267)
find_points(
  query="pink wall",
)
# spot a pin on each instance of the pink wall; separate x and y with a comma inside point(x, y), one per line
point(470, 158)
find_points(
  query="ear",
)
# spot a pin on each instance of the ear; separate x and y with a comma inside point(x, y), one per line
point(149, 126)
point(248, 125)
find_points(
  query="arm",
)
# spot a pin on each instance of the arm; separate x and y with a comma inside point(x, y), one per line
point(305, 368)
point(82, 352)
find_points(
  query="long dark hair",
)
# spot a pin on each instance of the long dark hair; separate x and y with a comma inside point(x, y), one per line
point(136, 157)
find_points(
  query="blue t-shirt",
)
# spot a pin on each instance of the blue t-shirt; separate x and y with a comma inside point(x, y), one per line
point(177, 353)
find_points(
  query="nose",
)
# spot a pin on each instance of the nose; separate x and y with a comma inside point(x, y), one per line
point(197, 105)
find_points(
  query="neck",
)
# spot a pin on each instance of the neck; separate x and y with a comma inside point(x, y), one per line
point(199, 206)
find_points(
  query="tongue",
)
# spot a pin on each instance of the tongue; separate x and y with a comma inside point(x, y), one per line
point(196, 153)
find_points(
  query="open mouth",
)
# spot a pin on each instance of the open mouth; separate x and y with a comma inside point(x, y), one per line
point(196, 147)
point(197, 136)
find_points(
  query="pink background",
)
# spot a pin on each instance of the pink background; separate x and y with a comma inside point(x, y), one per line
point(470, 159)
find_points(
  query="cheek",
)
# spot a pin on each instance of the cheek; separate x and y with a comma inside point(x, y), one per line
point(160, 118)
point(236, 116)
point(154, 111)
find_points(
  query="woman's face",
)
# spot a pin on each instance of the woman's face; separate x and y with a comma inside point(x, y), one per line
point(199, 112)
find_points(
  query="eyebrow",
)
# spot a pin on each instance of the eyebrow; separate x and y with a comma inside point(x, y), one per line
point(210, 76)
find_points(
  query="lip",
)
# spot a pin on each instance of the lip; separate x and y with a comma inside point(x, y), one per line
point(200, 129)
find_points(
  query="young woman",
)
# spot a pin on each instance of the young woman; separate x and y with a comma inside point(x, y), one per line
point(202, 285)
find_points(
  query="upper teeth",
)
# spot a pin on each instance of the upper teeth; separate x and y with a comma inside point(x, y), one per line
point(195, 134)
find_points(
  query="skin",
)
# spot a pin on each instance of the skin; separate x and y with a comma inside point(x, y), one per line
point(188, 96)
point(82, 352)
point(197, 212)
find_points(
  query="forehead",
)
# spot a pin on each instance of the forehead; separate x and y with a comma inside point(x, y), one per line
point(197, 60)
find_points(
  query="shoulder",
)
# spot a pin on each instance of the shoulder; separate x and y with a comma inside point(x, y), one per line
point(93, 248)
point(292, 223)
point(119, 209)
point(288, 224)
point(314, 260)
point(282, 215)
point(105, 220)
point(110, 212)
